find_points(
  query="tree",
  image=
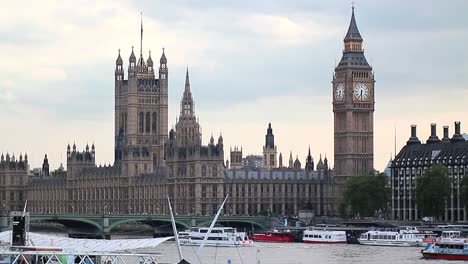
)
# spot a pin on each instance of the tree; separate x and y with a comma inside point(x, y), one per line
point(464, 190)
point(366, 194)
point(433, 190)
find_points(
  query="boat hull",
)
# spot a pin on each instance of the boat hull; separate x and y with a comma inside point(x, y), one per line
point(210, 243)
point(390, 243)
point(273, 238)
point(429, 255)
point(324, 242)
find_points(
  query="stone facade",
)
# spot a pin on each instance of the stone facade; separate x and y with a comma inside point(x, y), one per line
point(13, 182)
point(269, 150)
point(353, 108)
point(415, 158)
point(282, 191)
point(151, 164)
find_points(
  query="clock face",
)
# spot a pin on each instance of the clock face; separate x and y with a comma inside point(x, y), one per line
point(339, 92)
point(361, 92)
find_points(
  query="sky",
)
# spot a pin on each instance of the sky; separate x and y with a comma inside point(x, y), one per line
point(250, 62)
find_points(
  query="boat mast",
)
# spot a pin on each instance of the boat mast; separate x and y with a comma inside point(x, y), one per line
point(174, 229)
point(211, 227)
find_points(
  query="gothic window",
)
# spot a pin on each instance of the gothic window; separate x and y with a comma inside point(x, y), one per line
point(203, 170)
point(154, 122)
point(163, 66)
point(148, 121)
point(163, 76)
point(214, 171)
point(141, 121)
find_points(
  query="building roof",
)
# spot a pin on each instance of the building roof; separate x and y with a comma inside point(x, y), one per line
point(353, 59)
point(448, 153)
point(353, 31)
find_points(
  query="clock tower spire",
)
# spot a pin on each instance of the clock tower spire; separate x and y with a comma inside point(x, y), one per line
point(353, 108)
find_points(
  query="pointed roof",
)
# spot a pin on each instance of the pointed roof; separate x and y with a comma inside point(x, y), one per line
point(150, 60)
point(353, 31)
point(132, 56)
point(187, 82)
point(119, 60)
point(163, 59)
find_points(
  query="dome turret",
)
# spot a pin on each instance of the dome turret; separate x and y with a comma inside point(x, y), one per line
point(149, 62)
point(163, 59)
point(119, 60)
point(132, 56)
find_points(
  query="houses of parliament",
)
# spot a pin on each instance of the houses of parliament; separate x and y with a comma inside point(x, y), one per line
point(152, 162)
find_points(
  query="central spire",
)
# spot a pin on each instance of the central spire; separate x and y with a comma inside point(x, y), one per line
point(187, 82)
point(141, 35)
point(187, 105)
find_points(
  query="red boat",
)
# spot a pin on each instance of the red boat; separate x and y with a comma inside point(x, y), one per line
point(274, 236)
point(450, 246)
point(444, 256)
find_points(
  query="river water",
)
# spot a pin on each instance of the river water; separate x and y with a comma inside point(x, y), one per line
point(298, 253)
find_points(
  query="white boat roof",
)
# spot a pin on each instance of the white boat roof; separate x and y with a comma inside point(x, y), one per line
point(86, 245)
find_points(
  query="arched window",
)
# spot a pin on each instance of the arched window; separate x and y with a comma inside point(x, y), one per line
point(154, 123)
point(142, 120)
point(203, 171)
point(125, 123)
point(148, 121)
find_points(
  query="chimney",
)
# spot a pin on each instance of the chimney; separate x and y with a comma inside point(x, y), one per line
point(446, 134)
point(413, 139)
point(433, 138)
point(457, 137)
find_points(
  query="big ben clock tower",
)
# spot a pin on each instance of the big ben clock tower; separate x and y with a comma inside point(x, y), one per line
point(353, 108)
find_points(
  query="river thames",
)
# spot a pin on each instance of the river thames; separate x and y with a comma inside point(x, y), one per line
point(298, 253)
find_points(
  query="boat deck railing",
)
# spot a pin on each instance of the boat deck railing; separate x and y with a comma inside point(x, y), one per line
point(30, 257)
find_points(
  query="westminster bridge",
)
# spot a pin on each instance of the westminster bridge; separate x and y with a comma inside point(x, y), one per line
point(103, 224)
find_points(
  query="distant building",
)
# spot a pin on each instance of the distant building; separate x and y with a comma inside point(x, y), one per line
point(415, 158)
point(13, 182)
point(269, 150)
point(252, 161)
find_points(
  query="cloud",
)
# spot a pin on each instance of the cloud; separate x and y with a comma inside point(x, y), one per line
point(251, 62)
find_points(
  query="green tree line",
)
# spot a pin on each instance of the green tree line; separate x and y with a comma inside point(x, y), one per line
point(367, 194)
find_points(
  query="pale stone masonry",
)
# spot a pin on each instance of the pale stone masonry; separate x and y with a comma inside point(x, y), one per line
point(151, 163)
point(13, 182)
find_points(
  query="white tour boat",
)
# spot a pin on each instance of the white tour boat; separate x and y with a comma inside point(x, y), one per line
point(406, 237)
point(219, 236)
point(323, 236)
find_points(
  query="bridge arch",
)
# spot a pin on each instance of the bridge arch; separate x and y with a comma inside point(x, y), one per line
point(148, 221)
point(69, 221)
point(246, 222)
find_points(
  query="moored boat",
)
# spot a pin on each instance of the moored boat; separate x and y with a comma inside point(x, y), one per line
point(450, 246)
point(274, 236)
point(405, 237)
point(324, 236)
point(219, 236)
